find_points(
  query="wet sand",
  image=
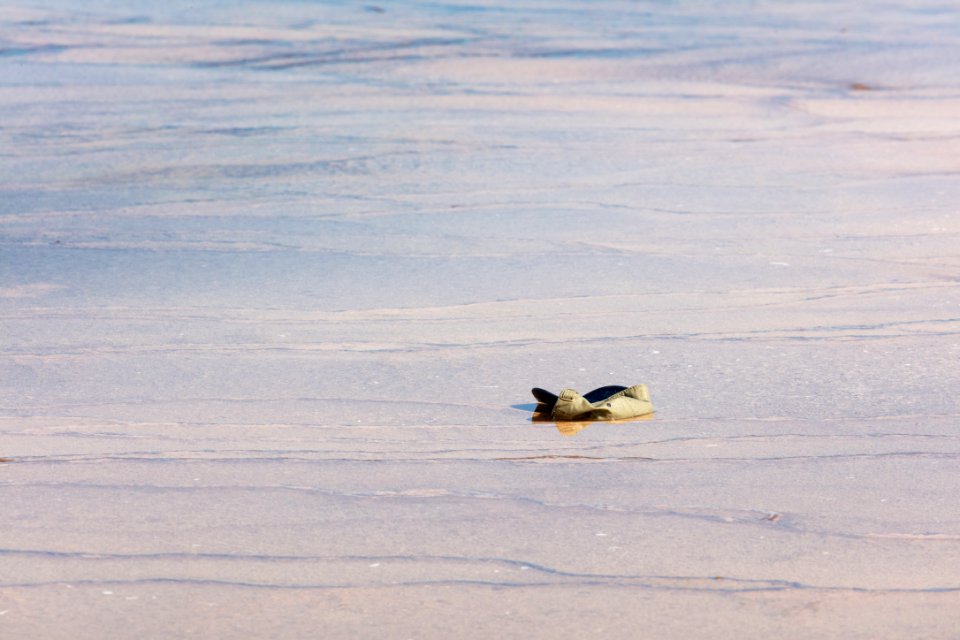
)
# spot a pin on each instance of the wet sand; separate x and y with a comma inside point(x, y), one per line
point(276, 279)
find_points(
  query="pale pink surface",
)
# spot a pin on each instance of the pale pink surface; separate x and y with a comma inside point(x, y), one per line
point(275, 279)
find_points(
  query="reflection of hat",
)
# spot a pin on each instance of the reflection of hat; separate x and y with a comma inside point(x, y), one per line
point(606, 403)
point(571, 428)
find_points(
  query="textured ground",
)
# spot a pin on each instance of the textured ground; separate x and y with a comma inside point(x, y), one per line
point(276, 278)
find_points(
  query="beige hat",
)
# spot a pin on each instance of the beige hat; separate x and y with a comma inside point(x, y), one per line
point(606, 403)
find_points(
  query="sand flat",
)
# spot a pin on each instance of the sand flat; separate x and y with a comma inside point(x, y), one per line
point(276, 278)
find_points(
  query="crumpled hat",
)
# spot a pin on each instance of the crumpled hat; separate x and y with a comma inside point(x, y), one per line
point(606, 403)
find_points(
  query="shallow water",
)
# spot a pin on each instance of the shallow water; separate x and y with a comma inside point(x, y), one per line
point(276, 278)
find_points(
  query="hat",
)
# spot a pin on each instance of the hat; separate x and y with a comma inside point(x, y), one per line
point(606, 403)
